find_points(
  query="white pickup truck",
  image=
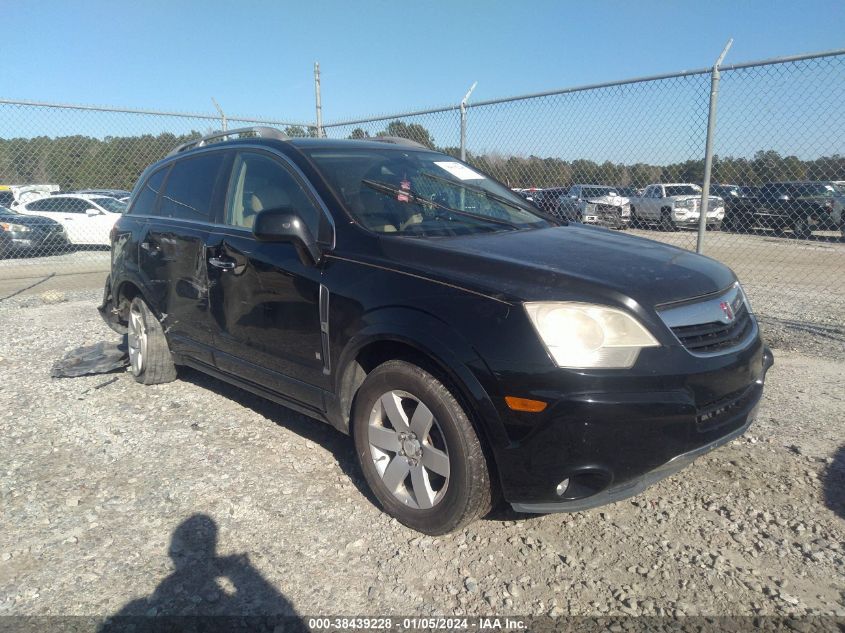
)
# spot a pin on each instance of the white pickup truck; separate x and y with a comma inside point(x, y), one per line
point(673, 206)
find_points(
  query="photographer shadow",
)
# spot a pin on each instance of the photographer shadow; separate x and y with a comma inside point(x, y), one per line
point(207, 592)
point(834, 483)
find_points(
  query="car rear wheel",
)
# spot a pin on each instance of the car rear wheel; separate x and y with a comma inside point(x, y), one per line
point(149, 355)
point(801, 228)
point(666, 221)
point(418, 450)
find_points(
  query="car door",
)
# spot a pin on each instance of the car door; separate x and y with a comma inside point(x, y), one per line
point(83, 227)
point(53, 208)
point(171, 250)
point(264, 300)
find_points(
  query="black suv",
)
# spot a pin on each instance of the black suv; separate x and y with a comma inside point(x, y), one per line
point(469, 344)
point(796, 206)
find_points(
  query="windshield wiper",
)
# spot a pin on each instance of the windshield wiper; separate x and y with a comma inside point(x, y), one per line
point(383, 187)
point(480, 190)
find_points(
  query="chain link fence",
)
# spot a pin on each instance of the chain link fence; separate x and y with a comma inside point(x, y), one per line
point(66, 172)
point(629, 155)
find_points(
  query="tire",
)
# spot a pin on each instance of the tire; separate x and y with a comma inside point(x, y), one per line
point(636, 223)
point(435, 482)
point(666, 222)
point(150, 361)
point(801, 228)
point(715, 226)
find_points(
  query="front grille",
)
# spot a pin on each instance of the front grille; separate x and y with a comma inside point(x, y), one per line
point(608, 211)
point(715, 336)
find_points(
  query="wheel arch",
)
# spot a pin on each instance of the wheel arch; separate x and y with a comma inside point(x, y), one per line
point(368, 351)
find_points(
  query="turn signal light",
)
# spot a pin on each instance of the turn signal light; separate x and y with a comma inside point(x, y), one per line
point(525, 404)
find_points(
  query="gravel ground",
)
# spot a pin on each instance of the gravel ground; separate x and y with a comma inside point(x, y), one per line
point(196, 497)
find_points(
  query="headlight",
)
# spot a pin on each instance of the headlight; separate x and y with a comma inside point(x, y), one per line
point(14, 228)
point(684, 204)
point(583, 335)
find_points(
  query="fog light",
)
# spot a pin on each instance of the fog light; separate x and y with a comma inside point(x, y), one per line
point(561, 487)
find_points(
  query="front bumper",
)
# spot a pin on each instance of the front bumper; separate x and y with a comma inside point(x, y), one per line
point(608, 446)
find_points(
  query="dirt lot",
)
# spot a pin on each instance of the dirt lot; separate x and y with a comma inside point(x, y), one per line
point(196, 497)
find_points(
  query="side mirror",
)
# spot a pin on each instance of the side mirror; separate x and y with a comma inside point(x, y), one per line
point(283, 225)
point(92, 212)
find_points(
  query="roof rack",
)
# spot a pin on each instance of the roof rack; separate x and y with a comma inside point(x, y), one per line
point(258, 130)
point(397, 140)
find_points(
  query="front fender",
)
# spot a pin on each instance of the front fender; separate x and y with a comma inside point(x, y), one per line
point(449, 351)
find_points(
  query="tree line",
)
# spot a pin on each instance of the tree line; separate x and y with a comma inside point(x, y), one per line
point(75, 162)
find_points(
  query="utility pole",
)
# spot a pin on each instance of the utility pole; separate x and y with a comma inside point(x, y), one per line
point(223, 122)
point(319, 101)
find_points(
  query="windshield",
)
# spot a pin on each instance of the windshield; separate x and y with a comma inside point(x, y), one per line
point(420, 193)
point(598, 192)
point(815, 190)
point(110, 204)
point(7, 211)
point(682, 190)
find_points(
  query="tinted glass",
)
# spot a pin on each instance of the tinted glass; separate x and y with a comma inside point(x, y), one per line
point(7, 199)
point(45, 204)
point(682, 190)
point(598, 192)
point(260, 183)
point(422, 194)
point(190, 187)
point(145, 200)
point(815, 190)
point(110, 204)
point(72, 205)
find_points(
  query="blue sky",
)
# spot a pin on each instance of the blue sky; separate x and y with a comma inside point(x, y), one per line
point(256, 58)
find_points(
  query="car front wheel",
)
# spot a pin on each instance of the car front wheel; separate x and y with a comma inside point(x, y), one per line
point(418, 450)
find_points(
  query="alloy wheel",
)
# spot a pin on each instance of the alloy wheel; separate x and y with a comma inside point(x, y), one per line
point(137, 340)
point(409, 450)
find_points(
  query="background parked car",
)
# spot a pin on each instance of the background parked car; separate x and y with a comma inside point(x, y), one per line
point(796, 206)
point(87, 219)
point(117, 194)
point(13, 195)
point(547, 199)
point(675, 205)
point(595, 204)
point(29, 234)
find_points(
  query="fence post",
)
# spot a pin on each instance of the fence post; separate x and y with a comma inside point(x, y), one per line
point(708, 148)
point(464, 120)
point(319, 99)
point(223, 123)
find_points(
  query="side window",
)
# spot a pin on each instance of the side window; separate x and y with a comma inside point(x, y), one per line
point(45, 204)
point(190, 187)
point(74, 205)
point(259, 183)
point(145, 200)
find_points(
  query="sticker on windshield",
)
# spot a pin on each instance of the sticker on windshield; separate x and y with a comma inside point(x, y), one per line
point(459, 171)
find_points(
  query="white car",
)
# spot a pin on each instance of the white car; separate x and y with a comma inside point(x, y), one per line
point(87, 219)
point(675, 205)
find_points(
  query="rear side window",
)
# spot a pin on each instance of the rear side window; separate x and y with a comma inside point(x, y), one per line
point(45, 204)
point(145, 200)
point(189, 189)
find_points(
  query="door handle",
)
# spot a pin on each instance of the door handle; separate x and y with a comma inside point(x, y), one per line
point(221, 263)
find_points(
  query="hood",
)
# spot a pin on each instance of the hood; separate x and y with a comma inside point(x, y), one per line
point(573, 262)
point(34, 221)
